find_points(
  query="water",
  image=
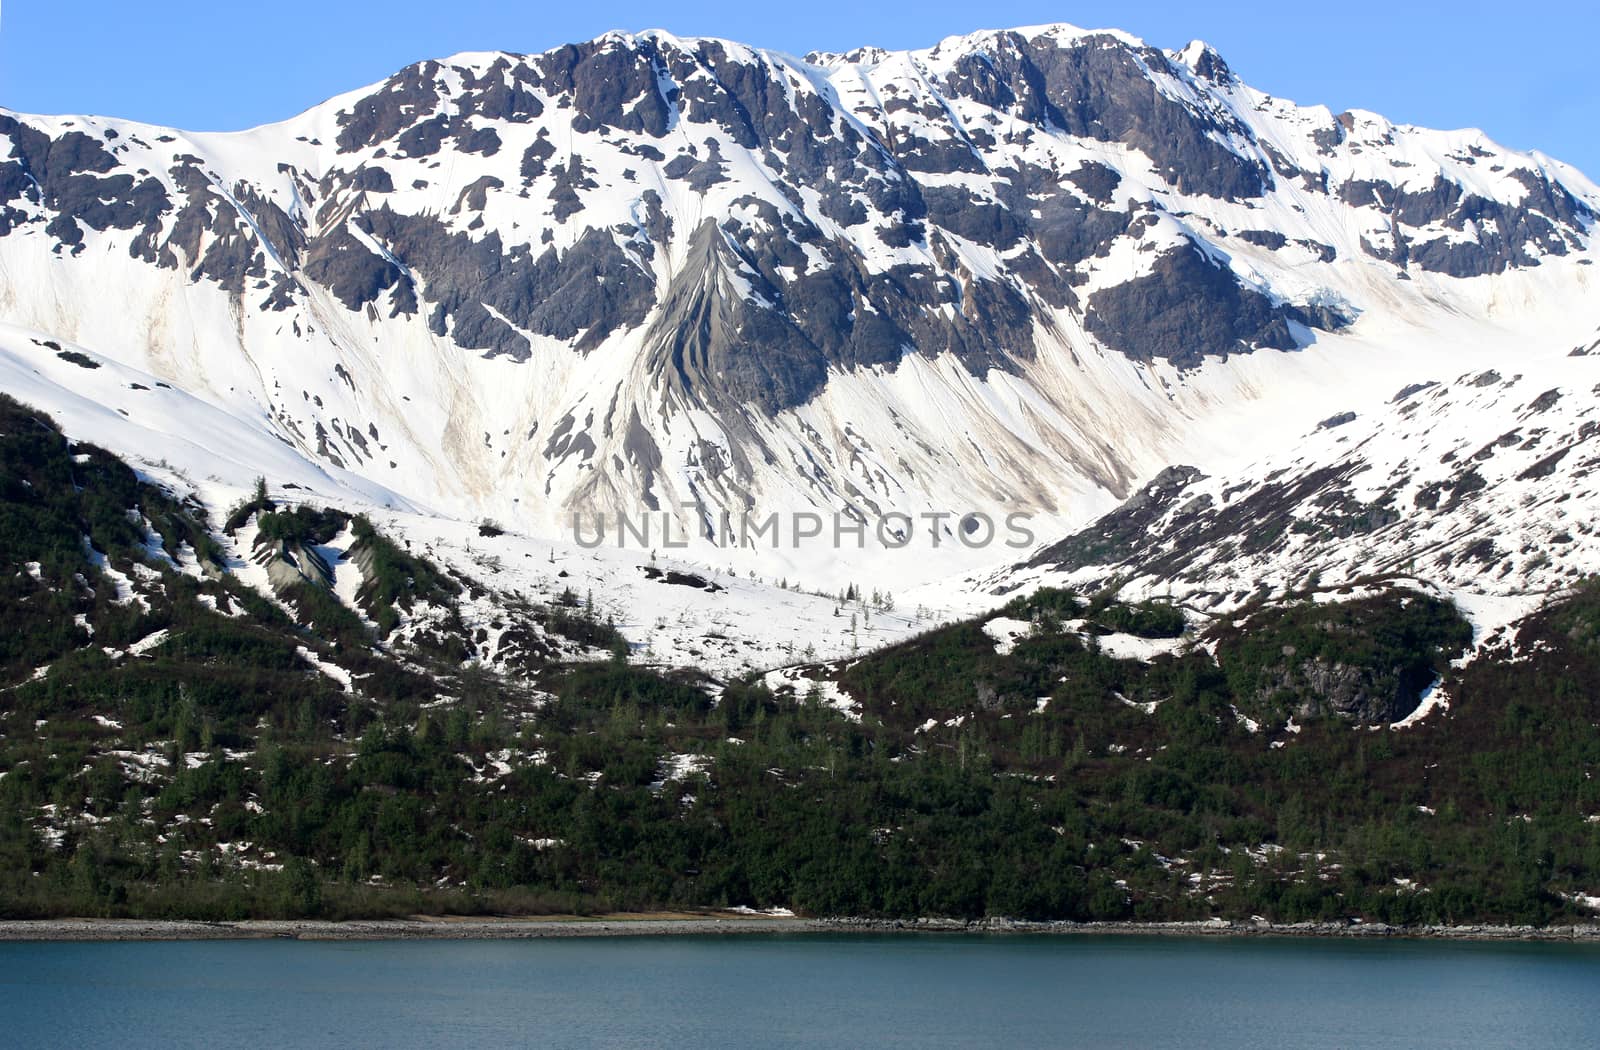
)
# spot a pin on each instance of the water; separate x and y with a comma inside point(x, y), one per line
point(759, 991)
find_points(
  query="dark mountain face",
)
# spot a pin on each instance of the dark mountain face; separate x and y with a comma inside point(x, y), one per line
point(872, 205)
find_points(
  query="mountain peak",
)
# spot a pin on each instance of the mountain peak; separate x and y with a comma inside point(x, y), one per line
point(1012, 271)
point(1205, 61)
point(1057, 32)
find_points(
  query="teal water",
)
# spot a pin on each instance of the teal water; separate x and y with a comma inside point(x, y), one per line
point(757, 991)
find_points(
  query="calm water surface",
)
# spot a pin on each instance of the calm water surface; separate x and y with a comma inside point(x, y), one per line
point(756, 991)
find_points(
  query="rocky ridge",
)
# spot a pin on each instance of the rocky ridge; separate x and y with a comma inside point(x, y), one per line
point(1017, 270)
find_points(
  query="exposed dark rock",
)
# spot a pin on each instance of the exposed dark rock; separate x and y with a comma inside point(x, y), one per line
point(69, 177)
point(1210, 66)
point(1545, 401)
point(1328, 138)
point(591, 290)
point(73, 357)
point(1503, 441)
point(1189, 308)
point(1115, 535)
point(283, 235)
point(657, 225)
point(476, 195)
point(355, 275)
point(425, 138)
point(396, 106)
point(1265, 238)
point(976, 219)
point(569, 180)
point(504, 92)
point(1159, 537)
point(808, 302)
point(1544, 467)
point(1409, 389)
point(1366, 662)
point(679, 579)
point(701, 173)
point(1096, 180)
point(713, 344)
point(483, 141)
point(535, 156)
point(1520, 234)
point(611, 85)
point(1324, 252)
point(1096, 87)
point(231, 253)
point(66, 232)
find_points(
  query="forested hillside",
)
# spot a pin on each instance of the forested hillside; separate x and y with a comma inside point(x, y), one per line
point(175, 742)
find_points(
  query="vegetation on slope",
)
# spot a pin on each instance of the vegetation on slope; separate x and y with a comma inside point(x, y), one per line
point(184, 751)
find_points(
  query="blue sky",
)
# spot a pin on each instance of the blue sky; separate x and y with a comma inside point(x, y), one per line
point(1525, 73)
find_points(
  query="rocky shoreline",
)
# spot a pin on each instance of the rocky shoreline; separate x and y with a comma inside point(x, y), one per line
point(1217, 928)
point(717, 925)
point(387, 929)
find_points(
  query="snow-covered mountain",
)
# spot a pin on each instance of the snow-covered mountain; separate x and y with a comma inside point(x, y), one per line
point(1482, 486)
point(1021, 271)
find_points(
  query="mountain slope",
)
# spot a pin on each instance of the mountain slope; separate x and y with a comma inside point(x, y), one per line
point(193, 748)
point(198, 744)
point(1020, 271)
point(1481, 486)
point(307, 433)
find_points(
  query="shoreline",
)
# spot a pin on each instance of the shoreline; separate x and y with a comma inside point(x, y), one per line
point(529, 928)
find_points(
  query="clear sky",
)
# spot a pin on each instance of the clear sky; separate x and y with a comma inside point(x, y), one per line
point(1527, 73)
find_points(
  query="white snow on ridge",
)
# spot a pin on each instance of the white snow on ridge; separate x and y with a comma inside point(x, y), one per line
point(327, 668)
point(1478, 485)
point(1433, 699)
point(1005, 632)
point(1132, 647)
point(807, 689)
point(204, 395)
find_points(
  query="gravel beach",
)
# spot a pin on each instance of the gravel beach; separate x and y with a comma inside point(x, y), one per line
point(452, 928)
